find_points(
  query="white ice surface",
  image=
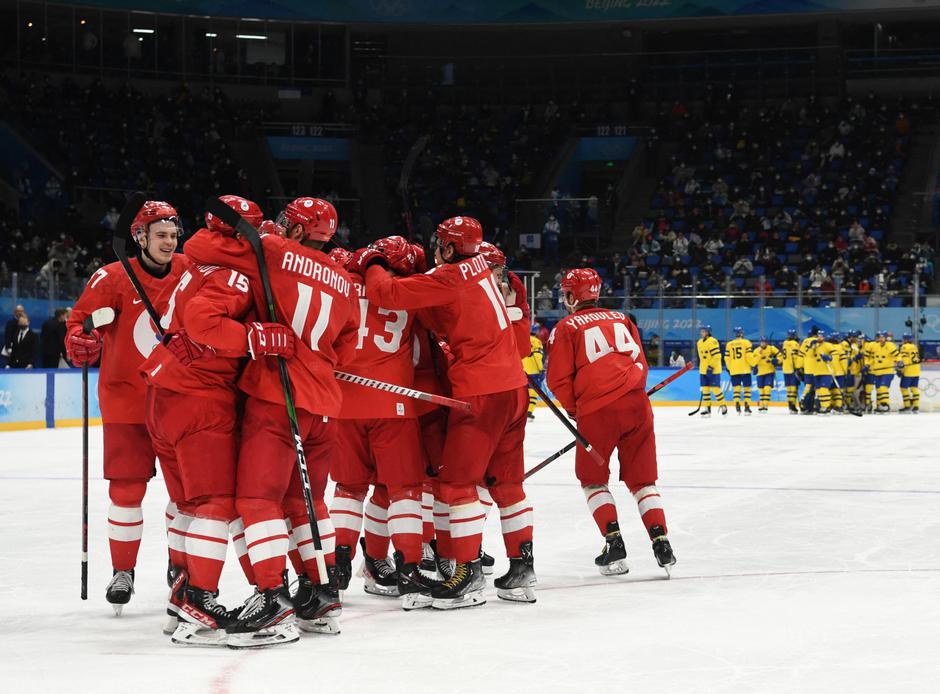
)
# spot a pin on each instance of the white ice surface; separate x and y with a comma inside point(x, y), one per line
point(808, 561)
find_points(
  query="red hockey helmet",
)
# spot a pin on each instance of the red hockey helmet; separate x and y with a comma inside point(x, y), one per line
point(270, 227)
point(399, 253)
point(421, 258)
point(492, 254)
point(317, 217)
point(465, 233)
point(340, 256)
point(153, 211)
point(584, 283)
point(246, 208)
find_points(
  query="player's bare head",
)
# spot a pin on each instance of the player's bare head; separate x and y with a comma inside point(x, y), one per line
point(457, 238)
point(310, 221)
point(156, 230)
point(495, 258)
point(580, 287)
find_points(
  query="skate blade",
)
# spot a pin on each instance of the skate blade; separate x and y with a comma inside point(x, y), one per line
point(118, 609)
point(617, 568)
point(416, 601)
point(471, 599)
point(273, 636)
point(321, 625)
point(170, 626)
point(522, 594)
point(488, 570)
point(381, 591)
point(189, 634)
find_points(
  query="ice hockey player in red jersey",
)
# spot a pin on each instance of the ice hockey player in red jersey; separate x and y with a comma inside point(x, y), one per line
point(316, 297)
point(597, 370)
point(463, 306)
point(378, 443)
point(129, 460)
point(192, 419)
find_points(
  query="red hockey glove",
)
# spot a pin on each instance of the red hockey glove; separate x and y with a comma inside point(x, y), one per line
point(364, 258)
point(186, 351)
point(83, 349)
point(270, 339)
point(269, 227)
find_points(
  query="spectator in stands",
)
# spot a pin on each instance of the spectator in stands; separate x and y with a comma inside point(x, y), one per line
point(11, 328)
point(52, 340)
point(763, 287)
point(743, 267)
point(676, 360)
point(680, 246)
point(653, 350)
point(714, 245)
point(543, 299)
point(550, 233)
point(856, 231)
point(817, 276)
point(836, 150)
point(870, 244)
point(24, 346)
point(720, 192)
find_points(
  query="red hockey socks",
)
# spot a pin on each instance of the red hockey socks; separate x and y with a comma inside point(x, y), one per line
point(376, 523)
point(207, 541)
point(405, 523)
point(346, 513)
point(601, 505)
point(266, 537)
point(237, 530)
point(177, 523)
point(304, 538)
point(427, 513)
point(125, 522)
point(515, 516)
point(650, 505)
point(466, 518)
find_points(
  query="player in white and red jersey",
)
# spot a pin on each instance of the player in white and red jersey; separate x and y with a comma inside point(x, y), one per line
point(378, 444)
point(192, 418)
point(597, 370)
point(129, 460)
point(463, 305)
point(316, 297)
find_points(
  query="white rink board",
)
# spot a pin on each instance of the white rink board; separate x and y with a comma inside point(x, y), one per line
point(808, 562)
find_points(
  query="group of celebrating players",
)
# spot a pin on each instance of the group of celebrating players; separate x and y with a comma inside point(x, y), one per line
point(202, 393)
point(838, 372)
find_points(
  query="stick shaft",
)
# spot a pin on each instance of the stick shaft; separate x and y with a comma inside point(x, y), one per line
point(401, 390)
point(564, 420)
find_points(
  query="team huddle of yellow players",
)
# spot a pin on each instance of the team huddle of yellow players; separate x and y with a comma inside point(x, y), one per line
point(838, 372)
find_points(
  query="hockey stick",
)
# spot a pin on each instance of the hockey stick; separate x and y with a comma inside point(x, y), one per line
point(250, 234)
point(96, 319)
point(401, 390)
point(836, 381)
point(659, 386)
point(699, 406)
point(533, 384)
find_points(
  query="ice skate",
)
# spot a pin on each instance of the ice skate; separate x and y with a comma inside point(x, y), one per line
point(516, 584)
point(737, 408)
point(202, 620)
point(747, 409)
point(267, 619)
point(342, 572)
point(707, 412)
point(463, 589)
point(662, 549)
point(413, 586)
point(316, 606)
point(444, 566)
point(612, 561)
point(487, 562)
point(793, 409)
point(378, 575)
point(175, 602)
point(120, 590)
point(724, 409)
point(915, 410)
point(905, 410)
point(427, 558)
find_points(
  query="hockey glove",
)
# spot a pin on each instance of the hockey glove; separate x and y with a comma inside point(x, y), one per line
point(269, 227)
point(364, 258)
point(270, 339)
point(186, 351)
point(83, 349)
point(799, 375)
point(825, 357)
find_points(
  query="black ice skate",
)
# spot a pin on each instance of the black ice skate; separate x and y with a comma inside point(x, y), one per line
point(612, 561)
point(723, 409)
point(445, 567)
point(120, 590)
point(707, 412)
point(427, 558)
point(175, 601)
point(342, 572)
point(516, 584)
point(662, 549)
point(793, 409)
point(378, 575)
point(202, 620)
point(316, 606)
point(487, 562)
point(413, 586)
point(737, 407)
point(463, 589)
point(267, 619)
point(915, 410)
point(904, 410)
point(747, 409)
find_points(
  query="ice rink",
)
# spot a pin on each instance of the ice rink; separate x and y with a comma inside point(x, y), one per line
point(808, 561)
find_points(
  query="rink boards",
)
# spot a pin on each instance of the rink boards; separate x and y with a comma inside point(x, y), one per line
point(49, 398)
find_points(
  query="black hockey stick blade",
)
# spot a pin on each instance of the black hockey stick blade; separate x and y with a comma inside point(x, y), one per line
point(695, 411)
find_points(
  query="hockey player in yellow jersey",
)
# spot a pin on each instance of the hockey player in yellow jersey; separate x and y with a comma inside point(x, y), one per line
point(533, 365)
point(808, 354)
point(909, 366)
point(884, 357)
point(832, 357)
point(866, 347)
point(709, 369)
point(853, 374)
point(738, 363)
point(791, 359)
point(765, 357)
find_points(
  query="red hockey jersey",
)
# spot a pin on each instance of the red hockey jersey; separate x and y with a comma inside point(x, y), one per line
point(465, 308)
point(212, 304)
point(595, 358)
point(311, 294)
point(130, 338)
point(385, 352)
